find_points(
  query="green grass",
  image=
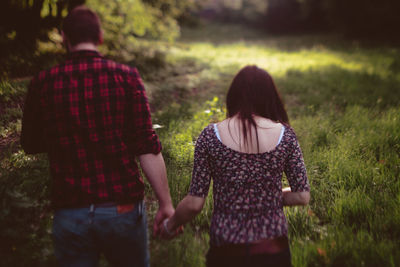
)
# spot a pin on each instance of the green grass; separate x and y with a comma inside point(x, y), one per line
point(343, 100)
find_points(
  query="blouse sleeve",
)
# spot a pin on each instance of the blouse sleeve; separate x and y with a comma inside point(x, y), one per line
point(201, 177)
point(295, 169)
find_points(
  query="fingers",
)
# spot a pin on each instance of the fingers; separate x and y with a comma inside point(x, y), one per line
point(158, 227)
point(158, 220)
point(166, 234)
point(160, 217)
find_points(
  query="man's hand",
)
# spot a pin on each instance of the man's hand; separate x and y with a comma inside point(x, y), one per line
point(154, 168)
point(166, 231)
point(162, 214)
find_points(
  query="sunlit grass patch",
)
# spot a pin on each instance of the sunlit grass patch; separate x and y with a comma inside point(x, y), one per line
point(273, 54)
point(275, 61)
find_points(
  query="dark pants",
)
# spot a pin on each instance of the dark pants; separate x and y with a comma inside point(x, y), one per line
point(281, 259)
point(81, 235)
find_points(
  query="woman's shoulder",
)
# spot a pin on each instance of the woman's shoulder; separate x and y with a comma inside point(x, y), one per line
point(290, 138)
point(289, 135)
point(207, 132)
point(205, 139)
point(289, 130)
point(208, 129)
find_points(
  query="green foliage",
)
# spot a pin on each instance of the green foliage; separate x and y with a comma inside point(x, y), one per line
point(172, 8)
point(343, 247)
point(124, 22)
point(252, 11)
point(178, 136)
point(11, 92)
point(187, 250)
point(25, 218)
point(342, 99)
point(343, 103)
point(11, 101)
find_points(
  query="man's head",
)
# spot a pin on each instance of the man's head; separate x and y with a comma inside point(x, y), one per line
point(82, 25)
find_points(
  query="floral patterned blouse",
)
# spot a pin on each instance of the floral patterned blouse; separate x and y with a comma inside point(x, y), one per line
point(247, 187)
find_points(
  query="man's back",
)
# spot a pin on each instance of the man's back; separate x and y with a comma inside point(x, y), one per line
point(92, 118)
point(95, 121)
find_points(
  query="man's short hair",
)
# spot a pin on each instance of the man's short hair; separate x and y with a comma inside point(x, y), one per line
point(82, 25)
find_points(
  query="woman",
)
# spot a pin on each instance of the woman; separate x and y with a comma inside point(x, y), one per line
point(245, 155)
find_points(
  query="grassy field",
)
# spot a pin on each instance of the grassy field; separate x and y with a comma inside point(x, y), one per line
point(343, 101)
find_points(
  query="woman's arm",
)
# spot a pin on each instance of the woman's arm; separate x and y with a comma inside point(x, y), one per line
point(295, 198)
point(193, 203)
point(295, 170)
point(186, 210)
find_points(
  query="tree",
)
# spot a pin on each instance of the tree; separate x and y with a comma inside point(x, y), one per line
point(23, 22)
point(365, 18)
point(282, 16)
point(28, 20)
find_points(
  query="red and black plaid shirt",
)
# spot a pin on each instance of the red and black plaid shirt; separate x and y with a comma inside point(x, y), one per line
point(92, 118)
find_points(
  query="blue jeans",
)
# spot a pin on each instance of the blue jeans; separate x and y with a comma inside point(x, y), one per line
point(81, 235)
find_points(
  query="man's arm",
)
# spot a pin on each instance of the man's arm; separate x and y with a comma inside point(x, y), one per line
point(32, 133)
point(145, 143)
point(153, 167)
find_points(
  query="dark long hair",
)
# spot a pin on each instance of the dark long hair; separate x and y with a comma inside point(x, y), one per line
point(253, 92)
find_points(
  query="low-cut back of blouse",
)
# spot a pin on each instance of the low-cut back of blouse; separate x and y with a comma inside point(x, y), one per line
point(247, 187)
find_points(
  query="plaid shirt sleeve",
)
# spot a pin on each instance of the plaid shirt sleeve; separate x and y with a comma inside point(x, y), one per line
point(143, 138)
point(32, 134)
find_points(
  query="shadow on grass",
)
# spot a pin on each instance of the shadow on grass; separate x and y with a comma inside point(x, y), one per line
point(334, 88)
point(226, 33)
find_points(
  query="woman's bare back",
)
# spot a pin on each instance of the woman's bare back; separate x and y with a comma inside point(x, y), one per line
point(269, 133)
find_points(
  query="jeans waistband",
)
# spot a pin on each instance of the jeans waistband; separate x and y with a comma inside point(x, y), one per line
point(121, 208)
point(105, 204)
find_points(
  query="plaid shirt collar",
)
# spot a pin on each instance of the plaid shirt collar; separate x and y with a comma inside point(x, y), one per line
point(84, 54)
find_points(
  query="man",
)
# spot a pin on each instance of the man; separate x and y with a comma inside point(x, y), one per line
point(92, 118)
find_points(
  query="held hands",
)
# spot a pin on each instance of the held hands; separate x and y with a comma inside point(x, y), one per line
point(167, 232)
point(186, 210)
point(163, 213)
point(160, 226)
